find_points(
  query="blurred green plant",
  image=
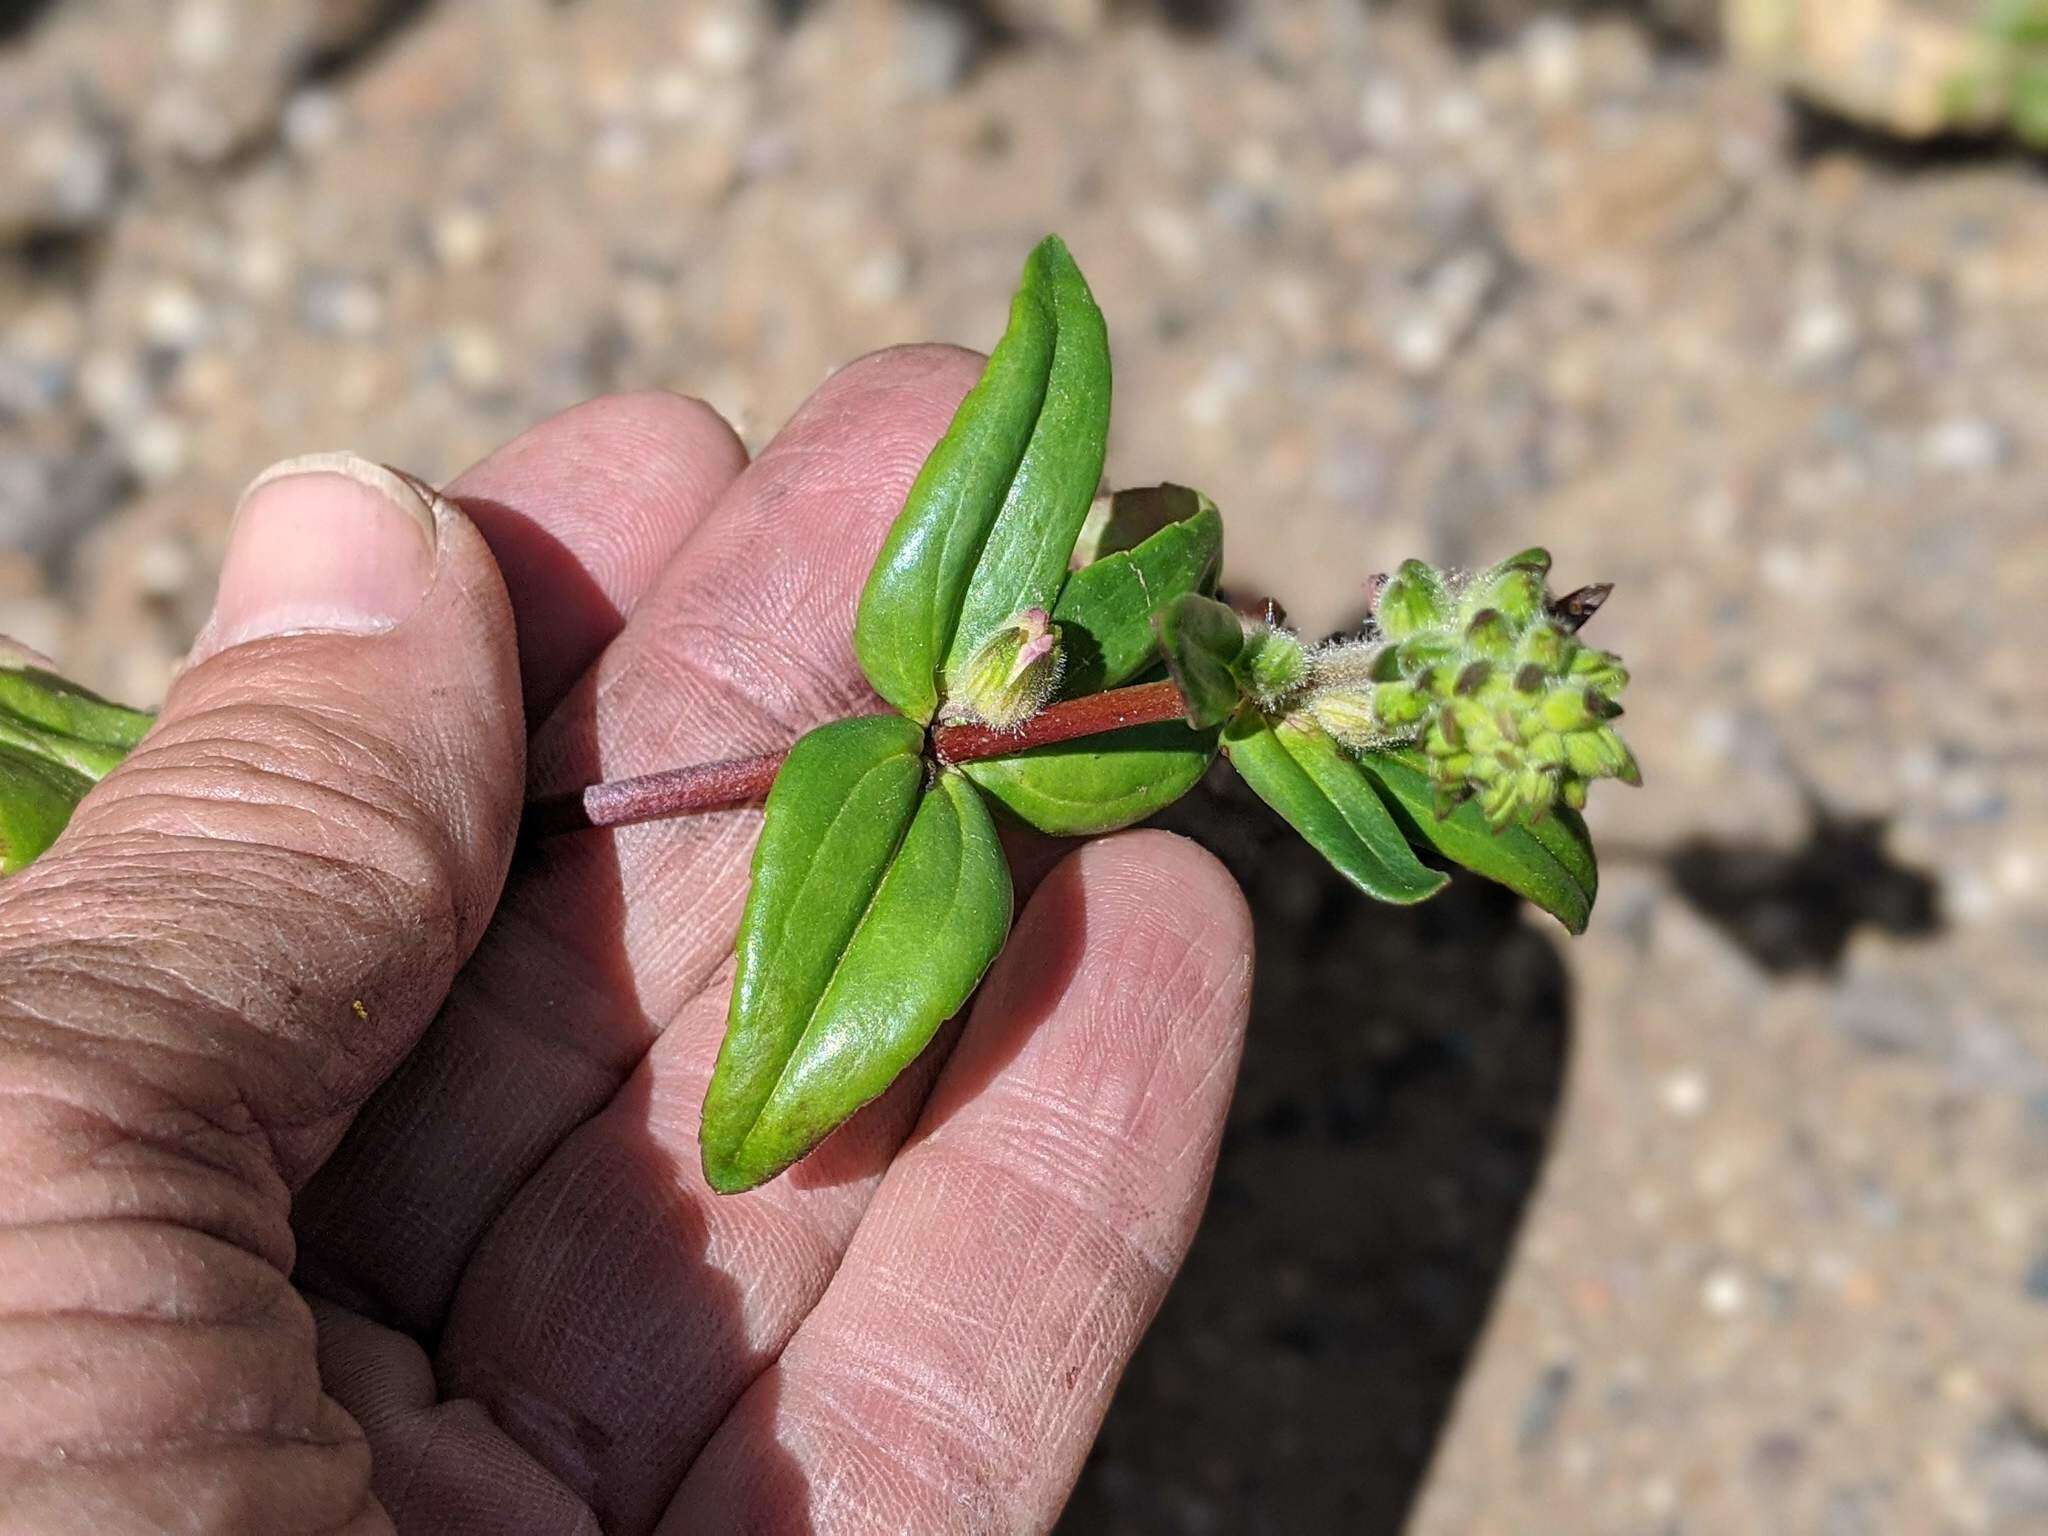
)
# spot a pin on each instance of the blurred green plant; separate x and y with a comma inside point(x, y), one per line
point(2019, 31)
point(56, 742)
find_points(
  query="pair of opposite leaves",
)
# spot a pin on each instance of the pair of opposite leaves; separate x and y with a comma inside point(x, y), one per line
point(880, 892)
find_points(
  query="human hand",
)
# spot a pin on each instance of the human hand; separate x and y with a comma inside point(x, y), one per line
point(277, 1255)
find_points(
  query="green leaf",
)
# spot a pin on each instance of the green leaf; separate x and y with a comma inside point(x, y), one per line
point(913, 593)
point(1079, 788)
point(37, 798)
point(1024, 561)
point(1127, 518)
point(1325, 796)
point(988, 524)
point(57, 740)
point(1551, 863)
point(43, 713)
point(1200, 639)
point(835, 817)
point(1105, 610)
point(877, 904)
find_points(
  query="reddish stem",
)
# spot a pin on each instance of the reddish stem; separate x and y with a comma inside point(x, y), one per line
point(1091, 715)
point(740, 781)
point(651, 796)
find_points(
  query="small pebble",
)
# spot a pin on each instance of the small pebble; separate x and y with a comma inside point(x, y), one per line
point(1221, 386)
point(337, 304)
point(77, 169)
point(1551, 57)
point(1170, 235)
point(1684, 1094)
point(313, 120)
point(1383, 114)
point(164, 567)
point(936, 46)
point(475, 359)
point(619, 149)
point(1421, 342)
point(725, 42)
point(172, 316)
point(882, 277)
point(1724, 1293)
point(201, 34)
point(1459, 116)
point(1821, 333)
point(112, 387)
point(262, 266)
point(2036, 1282)
point(157, 449)
point(463, 237)
point(1963, 445)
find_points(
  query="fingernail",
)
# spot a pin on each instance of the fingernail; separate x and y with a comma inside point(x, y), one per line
point(328, 543)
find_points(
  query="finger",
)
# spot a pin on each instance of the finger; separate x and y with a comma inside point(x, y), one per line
point(607, 939)
point(244, 926)
point(584, 511)
point(617, 1309)
point(436, 1465)
point(283, 877)
point(956, 1371)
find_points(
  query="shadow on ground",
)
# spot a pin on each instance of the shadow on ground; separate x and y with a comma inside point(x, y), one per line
point(1399, 1088)
point(1795, 910)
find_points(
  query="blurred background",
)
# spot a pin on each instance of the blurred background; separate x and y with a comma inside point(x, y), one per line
point(1731, 1216)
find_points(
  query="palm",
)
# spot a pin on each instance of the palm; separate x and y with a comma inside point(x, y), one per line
point(526, 1294)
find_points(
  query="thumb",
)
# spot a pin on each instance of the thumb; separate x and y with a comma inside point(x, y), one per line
point(252, 919)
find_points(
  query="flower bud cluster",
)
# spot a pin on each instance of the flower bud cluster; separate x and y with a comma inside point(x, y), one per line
point(1490, 681)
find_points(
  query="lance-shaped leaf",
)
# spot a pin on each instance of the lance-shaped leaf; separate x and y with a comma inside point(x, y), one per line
point(877, 904)
point(835, 817)
point(1080, 788)
point(56, 741)
point(1550, 863)
point(1201, 640)
point(987, 527)
point(1325, 796)
point(1105, 610)
point(1024, 562)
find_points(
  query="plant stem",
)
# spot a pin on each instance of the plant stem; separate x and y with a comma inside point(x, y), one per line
point(1091, 715)
point(742, 780)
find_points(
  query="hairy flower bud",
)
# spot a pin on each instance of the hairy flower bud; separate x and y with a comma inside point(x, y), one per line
point(1013, 675)
point(1347, 714)
point(1490, 634)
point(1599, 669)
point(1272, 663)
point(1516, 588)
point(1415, 598)
point(1483, 676)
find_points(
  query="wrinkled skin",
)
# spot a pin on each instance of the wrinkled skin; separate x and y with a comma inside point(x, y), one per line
point(341, 1192)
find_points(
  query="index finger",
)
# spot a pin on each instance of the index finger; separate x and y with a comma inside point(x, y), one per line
point(955, 1372)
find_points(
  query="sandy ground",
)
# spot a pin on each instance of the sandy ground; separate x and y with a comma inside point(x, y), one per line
point(1730, 1216)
